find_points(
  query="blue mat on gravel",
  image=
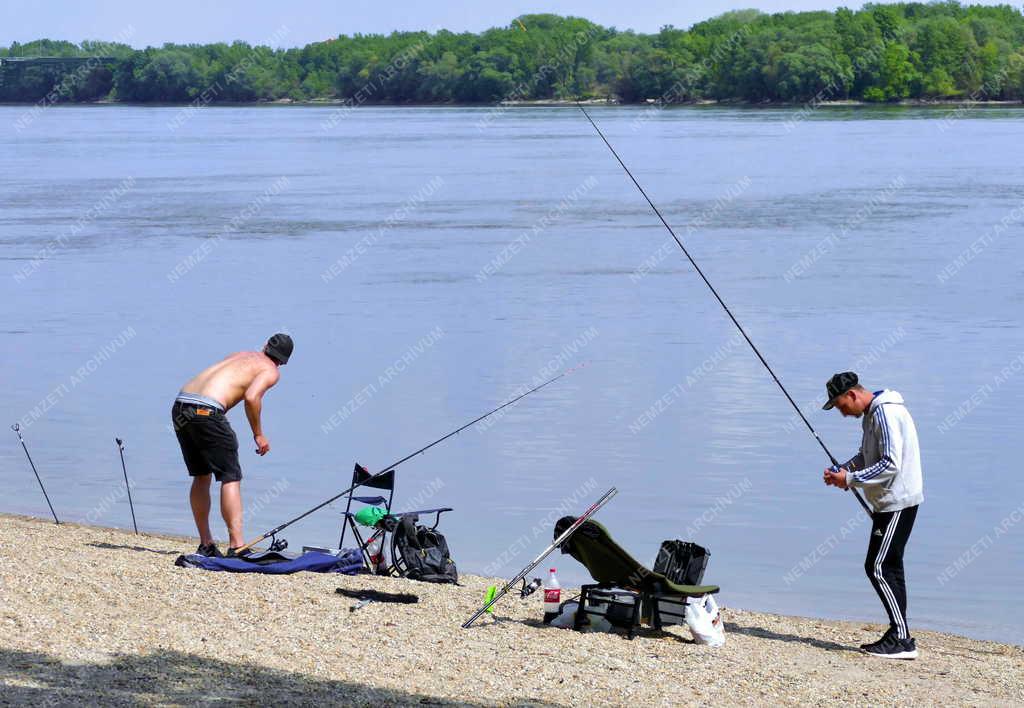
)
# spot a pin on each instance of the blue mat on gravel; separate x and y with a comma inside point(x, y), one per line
point(350, 563)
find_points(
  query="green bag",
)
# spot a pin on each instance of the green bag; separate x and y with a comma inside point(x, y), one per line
point(370, 515)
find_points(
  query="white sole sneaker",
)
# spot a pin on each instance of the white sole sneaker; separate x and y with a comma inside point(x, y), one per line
point(898, 655)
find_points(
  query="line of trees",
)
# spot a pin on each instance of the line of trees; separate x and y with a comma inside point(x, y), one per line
point(878, 53)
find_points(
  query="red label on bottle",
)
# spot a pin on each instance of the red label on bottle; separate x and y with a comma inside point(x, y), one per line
point(552, 594)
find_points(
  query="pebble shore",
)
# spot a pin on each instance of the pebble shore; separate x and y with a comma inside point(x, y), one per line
point(103, 616)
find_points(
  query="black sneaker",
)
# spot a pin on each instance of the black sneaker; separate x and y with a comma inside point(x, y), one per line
point(891, 647)
point(210, 550)
point(888, 633)
point(235, 553)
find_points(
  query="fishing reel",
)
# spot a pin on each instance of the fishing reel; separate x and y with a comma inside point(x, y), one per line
point(277, 544)
point(528, 589)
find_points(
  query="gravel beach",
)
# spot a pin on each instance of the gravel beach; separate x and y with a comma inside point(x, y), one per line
point(103, 616)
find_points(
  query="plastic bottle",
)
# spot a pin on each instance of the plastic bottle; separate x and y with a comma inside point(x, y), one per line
point(375, 550)
point(552, 597)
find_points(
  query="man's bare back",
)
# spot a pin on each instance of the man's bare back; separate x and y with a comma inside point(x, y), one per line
point(245, 375)
point(229, 379)
point(209, 446)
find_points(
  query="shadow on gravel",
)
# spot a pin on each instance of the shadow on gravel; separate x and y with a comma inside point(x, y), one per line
point(169, 677)
point(140, 549)
point(761, 633)
point(644, 632)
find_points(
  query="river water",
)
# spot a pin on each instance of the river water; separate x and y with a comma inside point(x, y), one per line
point(430, 263)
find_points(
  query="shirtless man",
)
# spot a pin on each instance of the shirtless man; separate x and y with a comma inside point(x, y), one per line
point(207, 441)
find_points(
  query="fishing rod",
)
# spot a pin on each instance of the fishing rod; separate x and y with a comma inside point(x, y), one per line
point(120, 447)
point(17, 428)
point(273, 532)
point(521, 576)
point(725, 307)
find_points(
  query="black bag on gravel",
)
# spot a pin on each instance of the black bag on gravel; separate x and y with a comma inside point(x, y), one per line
point(682, 562)
point(423, 552)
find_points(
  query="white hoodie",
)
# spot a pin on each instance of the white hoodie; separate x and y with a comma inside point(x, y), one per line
point(888, 466)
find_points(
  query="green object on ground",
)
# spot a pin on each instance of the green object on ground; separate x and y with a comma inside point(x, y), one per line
point(370, 515)
point(492, 590)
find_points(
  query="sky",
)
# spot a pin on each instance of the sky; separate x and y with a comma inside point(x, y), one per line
point(299, 22)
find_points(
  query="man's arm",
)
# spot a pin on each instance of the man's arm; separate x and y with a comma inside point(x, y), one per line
point(854, 463)
point(254, 406)
point(889, 452)
point(841, 475)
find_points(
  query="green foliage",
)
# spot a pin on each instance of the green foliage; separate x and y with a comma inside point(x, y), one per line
point(878, 53)
point(898, 75)
point(1013, 87)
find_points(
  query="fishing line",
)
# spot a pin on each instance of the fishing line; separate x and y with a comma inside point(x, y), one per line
point(721, 302)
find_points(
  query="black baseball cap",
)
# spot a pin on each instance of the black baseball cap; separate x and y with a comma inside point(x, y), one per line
point(279, 348)
point(837, 386)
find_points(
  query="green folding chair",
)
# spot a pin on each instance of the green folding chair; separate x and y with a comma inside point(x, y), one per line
point(612, 567)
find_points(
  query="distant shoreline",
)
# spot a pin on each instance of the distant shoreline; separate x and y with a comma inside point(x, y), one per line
point(876, 54)
point(555, 103)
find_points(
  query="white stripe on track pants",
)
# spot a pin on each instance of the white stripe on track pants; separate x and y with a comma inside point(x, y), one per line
point(890, 531)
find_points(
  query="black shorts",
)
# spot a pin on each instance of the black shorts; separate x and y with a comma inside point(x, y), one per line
point(207, 441)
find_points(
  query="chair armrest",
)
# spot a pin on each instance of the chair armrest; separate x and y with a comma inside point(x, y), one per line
point(686, 591)
point(437, 512)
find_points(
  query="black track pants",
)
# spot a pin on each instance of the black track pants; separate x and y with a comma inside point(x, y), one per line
point(890, 531)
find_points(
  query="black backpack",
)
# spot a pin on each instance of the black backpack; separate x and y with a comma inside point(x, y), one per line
point(682, 562)
point(424, 552)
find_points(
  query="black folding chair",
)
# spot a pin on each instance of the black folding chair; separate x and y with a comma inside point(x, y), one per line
point(361, 477)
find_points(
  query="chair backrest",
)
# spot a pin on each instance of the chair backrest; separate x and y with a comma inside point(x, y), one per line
point(608, 562)
point(363, 478)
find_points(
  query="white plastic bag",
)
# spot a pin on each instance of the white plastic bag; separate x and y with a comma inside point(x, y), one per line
point(705, 621)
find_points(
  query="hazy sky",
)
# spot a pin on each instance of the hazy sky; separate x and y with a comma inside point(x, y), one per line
point(183, 21)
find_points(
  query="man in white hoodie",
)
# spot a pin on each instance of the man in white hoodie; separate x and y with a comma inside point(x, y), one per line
point(888, 471)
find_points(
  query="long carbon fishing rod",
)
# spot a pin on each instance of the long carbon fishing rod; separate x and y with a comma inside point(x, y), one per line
point(724, 306)
point(17, 428)
point(273, 532)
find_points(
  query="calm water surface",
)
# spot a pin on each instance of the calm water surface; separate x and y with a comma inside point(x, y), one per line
point(430, 263)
